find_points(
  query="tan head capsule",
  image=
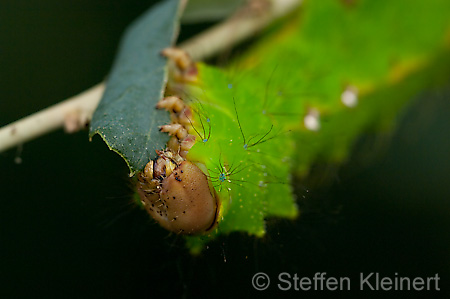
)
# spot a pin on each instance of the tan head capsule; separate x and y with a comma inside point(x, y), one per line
point(185, 204)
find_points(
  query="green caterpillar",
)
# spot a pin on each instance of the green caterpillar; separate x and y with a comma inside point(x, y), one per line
point(303, 94)
point(245, 163)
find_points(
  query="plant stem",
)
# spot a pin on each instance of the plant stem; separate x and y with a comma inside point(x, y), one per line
point(244, 24)
point(75, 110)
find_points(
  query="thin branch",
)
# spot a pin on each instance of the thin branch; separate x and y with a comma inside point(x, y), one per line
point(76, 112)
point(244, 24)
point(77, 109)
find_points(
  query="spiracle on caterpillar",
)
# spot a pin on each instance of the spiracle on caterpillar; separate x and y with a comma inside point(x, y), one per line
point(176, 192)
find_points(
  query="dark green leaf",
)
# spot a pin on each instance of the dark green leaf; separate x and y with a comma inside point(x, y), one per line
point(126, 117)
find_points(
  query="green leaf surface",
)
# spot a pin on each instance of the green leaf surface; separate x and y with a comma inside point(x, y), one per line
point(126, 117)
point(386, 51)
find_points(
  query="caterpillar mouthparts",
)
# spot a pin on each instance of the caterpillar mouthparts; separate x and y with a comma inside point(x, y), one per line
point(175, 192)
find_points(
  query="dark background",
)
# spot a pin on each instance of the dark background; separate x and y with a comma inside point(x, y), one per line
point(68, 226)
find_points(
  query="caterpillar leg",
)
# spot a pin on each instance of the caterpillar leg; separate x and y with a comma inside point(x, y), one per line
point(180, 113)
point(175, 130)
point(171, 104)
point(184, 69)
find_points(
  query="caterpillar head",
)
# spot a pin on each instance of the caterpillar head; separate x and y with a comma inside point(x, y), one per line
point(183, 201)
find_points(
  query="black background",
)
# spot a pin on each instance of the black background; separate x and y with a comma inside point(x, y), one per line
point(68, 226)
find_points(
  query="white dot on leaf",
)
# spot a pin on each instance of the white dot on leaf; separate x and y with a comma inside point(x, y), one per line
point(312, 120)
point(350, 97)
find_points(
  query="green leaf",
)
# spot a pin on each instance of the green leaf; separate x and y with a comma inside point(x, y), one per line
point(126, 117)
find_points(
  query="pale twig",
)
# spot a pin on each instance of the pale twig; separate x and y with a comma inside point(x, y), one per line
point(71, 113)
point(76, 112)
point(246, 23)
